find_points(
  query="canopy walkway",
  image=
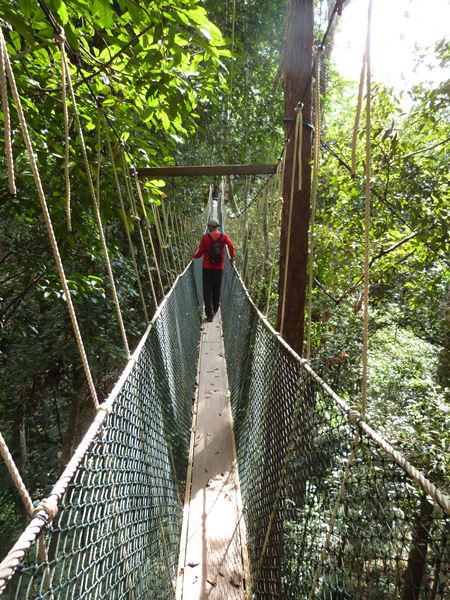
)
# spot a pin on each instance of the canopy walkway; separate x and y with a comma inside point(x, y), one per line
point(263, 484)
point(330, 509)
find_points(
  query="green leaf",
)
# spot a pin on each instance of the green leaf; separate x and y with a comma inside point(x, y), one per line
point(62, 12)
point(102, 9)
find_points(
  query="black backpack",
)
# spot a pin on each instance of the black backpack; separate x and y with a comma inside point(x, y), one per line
point(215, 253)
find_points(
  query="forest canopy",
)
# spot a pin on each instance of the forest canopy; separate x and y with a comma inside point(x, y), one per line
point(189, 82)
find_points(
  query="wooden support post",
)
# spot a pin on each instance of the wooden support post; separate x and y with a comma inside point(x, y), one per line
point(297, 87)
point(205, 170)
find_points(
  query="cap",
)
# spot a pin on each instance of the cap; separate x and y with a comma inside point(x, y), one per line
point(213, 223)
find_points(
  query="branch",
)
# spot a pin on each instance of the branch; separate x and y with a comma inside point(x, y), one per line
point(5, 256)
point(373, 259)
point(25, 51)
point(325, 291)
point(14, 305)
point(121, 51)
point(424, 149)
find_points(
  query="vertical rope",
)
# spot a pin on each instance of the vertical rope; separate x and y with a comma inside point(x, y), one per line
point(27, 502)
point(168, 236)
point(159, 235)
point(365, 350)
point(148, 228)
point(95, 202)
point(15, 476)
point(61, 40)
point(315, 181)
point(297, 150)
point(7, 121)
point(48, 222)
point(278, 222)
point(122, 206)
point(176, 230)
point(137, 220)
point(358, 113)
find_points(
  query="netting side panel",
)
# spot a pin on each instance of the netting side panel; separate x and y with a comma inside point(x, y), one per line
point(117, 532)
point(264, 386)
point(329, 514)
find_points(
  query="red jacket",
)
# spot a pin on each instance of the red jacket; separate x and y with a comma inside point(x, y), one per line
point(205, 247)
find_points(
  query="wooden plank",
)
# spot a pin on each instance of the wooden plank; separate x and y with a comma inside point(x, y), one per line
point(213, 557)
point(205, 170)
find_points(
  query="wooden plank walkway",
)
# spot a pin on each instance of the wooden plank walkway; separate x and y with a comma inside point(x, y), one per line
point(213, 560)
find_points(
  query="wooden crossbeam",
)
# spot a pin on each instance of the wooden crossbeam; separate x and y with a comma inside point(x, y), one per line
point(205, 170)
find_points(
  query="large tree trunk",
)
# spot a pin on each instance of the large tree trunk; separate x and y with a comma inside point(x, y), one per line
point(297, 87)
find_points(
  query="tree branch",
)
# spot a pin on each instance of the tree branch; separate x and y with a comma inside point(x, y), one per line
point(14, 304)
point(424, 149)
point(373, 259)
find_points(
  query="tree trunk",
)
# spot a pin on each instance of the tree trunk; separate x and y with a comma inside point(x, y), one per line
point(71, 437)
point(415, 568)
point(297, 87)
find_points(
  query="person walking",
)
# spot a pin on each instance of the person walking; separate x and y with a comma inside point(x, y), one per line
point(211, 248)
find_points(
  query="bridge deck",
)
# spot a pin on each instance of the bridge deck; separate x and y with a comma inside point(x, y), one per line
point(213, 560)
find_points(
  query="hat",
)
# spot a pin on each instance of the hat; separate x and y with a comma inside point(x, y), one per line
point(213, 223)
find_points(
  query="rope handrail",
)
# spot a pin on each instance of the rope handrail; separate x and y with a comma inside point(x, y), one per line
point(354, 417)
point(42, 516)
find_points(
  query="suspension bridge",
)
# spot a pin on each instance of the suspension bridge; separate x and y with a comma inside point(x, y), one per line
point(222, 466)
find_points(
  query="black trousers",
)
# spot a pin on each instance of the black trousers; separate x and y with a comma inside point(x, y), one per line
point(212, 281)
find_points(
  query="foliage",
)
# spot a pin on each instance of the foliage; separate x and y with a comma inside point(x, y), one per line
point(148, 69)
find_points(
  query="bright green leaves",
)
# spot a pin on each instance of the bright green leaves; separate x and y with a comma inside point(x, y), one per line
point(103, 13)
point(63, 14)
point(198, 16)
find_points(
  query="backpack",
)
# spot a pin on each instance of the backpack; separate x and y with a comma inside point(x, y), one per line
point(215, 253)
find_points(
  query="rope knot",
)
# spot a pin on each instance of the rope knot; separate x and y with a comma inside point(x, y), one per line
point(105, 407)
point(60, 37)
point(354, 418)
point(49, 506)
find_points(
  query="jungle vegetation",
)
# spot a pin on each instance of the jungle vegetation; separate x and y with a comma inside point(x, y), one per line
point(189, 82)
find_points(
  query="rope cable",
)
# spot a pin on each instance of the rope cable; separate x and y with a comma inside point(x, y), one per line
point(137, 220)
point(48, 222)
point(7, 123)
point(60, 39)
point(314, 186)
point(148, 228)
point(365, 350)
point(358, 113)
point(162, 245)
point(16, 477)
point(165, 219)
point(296, 149)
point(337, 10)
point(95, 201)
point(127, 231)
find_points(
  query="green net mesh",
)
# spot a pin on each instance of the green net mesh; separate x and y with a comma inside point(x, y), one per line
point(385, 538)
point(118, 529)
point(329, 513)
